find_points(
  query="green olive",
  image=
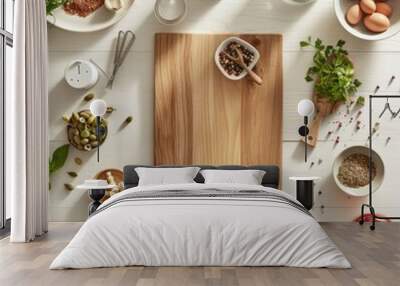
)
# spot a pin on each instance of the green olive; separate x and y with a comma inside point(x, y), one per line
point(85, 115)
point(78, 161)
point(128, 120)
point(92, 137)
point(84, 141)
point(85, 133)
point(75, 117)
point(69, 187)
point(77, 140)
point(72, 174)
point(88, 97)
point(91, 119)
point(94, 143)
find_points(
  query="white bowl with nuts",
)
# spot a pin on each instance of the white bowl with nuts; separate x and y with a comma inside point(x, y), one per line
point(370, 20)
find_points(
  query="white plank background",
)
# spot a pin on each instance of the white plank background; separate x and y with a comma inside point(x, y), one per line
point(133, 90)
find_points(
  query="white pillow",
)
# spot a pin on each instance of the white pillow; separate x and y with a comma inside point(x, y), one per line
point(165, 176)
point(248, 177)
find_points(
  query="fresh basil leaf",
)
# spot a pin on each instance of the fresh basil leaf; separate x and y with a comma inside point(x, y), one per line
point(59, 157)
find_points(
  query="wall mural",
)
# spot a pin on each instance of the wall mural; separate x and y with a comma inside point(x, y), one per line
point(344, 118)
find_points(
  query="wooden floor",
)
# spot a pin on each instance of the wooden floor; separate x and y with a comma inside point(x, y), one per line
point(375, 257)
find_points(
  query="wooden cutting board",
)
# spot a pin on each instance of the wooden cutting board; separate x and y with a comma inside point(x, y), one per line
point(201, 117)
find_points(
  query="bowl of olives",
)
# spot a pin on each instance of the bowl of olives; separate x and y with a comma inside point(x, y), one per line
point(81, 130)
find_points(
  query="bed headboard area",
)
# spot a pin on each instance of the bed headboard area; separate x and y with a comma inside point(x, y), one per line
point(204, 118)
point(271, 177)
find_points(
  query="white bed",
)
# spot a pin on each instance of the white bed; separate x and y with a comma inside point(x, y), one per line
point(185, 230)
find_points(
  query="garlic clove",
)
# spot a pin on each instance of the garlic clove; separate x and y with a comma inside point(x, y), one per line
point(113, 5)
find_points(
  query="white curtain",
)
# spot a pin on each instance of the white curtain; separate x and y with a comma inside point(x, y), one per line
point(27, 122)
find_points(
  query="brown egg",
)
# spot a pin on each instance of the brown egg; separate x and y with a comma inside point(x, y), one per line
point(384, 9)
point(354, 15)
point(368, 6)
point(377, 22)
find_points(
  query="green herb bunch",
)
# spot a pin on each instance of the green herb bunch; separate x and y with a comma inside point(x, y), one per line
point(332, 72)
point(51, 5)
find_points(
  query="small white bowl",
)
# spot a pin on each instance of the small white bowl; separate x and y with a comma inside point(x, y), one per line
point(359, 31)
point(248, 46)
point(362, 191)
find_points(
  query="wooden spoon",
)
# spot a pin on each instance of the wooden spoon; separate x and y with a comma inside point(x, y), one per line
point(324, 107)
point(240, 61)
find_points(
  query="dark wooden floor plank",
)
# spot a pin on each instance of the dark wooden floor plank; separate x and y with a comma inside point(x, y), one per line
point(375, 257)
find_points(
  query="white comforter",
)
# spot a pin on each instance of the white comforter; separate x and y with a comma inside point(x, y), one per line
point(200, 231)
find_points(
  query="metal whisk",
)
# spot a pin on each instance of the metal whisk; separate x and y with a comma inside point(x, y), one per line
point(124, 43)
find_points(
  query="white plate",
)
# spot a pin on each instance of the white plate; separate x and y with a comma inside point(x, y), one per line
point(243, 43)
point(298, 2)
point(362, 191)
point(98, 20)
point(359, 31)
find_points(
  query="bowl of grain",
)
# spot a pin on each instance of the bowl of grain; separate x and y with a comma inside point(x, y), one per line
point(351, 171)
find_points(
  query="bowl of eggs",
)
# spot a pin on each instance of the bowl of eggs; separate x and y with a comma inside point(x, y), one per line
point(371, 20)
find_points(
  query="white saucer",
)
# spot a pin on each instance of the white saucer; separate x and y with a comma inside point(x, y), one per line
point(93, 187)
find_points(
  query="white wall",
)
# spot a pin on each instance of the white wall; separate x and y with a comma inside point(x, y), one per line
point(133, 95)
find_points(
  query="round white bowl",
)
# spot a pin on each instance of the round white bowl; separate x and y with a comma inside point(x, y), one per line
point(362, 191)
point(359, 31)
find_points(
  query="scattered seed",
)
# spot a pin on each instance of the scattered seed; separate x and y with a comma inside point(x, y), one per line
point(110, 109)
point(319, 161)
point(128, 120)
point(88, 97)
point(65, 118)
point(319, 192)
point(337, 140)
point(391, 79)
point(72, 174)
point(376, 89)
point(69, 187)
point(78, 161)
